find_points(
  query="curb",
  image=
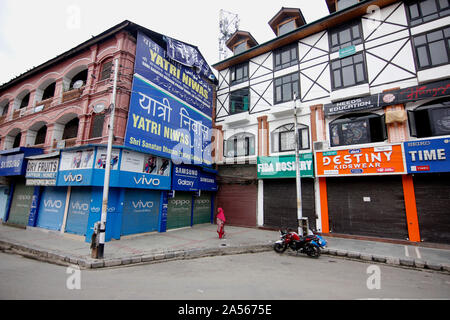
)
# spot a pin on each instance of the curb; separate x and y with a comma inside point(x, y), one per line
point(392, 261)
point(163, 256)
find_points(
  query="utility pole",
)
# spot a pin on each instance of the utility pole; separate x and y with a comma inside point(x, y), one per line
point(297, 172)
point(101, 244)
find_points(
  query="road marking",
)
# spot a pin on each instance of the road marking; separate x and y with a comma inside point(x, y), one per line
point(418, 253)
point(406, 251)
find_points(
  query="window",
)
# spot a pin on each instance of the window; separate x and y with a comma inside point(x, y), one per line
point(240, 48)
point(432, 48)
point(286, 57)
point(49, 92)
point(106, 70)
point(25, 101)
point(239, 73)
point(40, 136)
point(17, 139)
point(81, 76)
point(71, 129)
point(342, 4)
point(97, 125)
point(239, 145)
point(284, 88)
point(357, 129)
point(286, 27)
point(348, 71)
point(5, 109)
point(421, 11)
point(239, 101)
point(430, 120)
point(283, 138)
point(348, 35)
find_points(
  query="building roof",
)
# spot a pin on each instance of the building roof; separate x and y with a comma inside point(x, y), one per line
point(240, 35)
point(284, 14)
point(330, 21)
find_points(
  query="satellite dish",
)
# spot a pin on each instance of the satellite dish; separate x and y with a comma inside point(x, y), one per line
point(99, 107)
point(78, 84)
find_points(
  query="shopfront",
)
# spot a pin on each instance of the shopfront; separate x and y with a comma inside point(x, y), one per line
point(428, 162)
point(364, 190)
point(191, 199)
point(13, 164)
point(280, 191)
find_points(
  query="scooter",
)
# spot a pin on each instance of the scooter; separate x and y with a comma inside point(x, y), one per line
point(310, 244)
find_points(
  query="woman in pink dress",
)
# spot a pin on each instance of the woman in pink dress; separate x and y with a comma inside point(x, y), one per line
point(220, 222)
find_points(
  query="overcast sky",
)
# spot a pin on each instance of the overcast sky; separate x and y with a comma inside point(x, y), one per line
point(33, 32)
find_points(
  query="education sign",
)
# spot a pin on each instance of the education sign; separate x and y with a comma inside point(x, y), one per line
point(284, 166)
point(425, 156)
point(386, 159)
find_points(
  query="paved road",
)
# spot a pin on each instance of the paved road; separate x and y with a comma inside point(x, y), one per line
point(246, 276)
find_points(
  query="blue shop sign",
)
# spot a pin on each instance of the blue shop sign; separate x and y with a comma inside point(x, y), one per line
point(12, 165)
point(207, 182)
point(185, 178)
point(425, 156)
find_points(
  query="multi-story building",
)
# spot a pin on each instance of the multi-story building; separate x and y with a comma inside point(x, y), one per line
point(372, 81)
point(54, 133)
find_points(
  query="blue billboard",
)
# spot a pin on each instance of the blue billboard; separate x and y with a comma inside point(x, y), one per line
point(425, 156)
point(12, 165)
point(181, 81)
point(163, 125)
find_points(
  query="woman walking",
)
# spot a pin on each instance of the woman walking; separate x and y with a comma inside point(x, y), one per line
point(220, 223)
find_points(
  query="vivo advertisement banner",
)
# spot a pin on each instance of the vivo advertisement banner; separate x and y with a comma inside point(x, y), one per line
point(51, 208)
point(181, 81)
point(163, 125)
point(425, 156)
point(12, 165)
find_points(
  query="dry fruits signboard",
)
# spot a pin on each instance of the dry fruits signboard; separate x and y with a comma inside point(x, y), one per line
point(386, 159)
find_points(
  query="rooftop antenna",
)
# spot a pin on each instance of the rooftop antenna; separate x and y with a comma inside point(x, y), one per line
point(228, 24)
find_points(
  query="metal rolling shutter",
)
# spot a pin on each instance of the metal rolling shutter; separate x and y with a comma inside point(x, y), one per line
point(433, 206)
point(370, 206)
point(140, 211)
point(202, 208)
point(78, 214)
point(238, 203)
point(179, 210)
point(280, 203)
point(51, 208)
point(21, 204)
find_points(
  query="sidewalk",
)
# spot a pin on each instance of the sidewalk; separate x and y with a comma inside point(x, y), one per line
point(201, 241)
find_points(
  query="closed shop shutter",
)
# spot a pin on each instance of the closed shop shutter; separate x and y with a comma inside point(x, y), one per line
point(433, 206)
point(4, 192)
point(280, 203)
point(78, 213)
point(140, 211)
point(179, 210)
point(238, 202)
point(202, 208)
point(21, 204)
point(370, 206)
point(51, 208)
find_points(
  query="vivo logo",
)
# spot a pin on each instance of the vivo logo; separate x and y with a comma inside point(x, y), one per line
point(80, 206)
point(147, 181)
point(73, 178)
point(142, 205)
point(53, 204)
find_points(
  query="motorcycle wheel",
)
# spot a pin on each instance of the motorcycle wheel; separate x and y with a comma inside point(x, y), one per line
point(279, 248)
point(313, 251)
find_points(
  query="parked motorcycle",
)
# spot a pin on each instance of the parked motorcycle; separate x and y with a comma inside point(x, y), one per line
point(310, 244)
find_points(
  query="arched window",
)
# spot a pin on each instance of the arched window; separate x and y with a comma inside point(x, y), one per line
point(283, 138)
point(49, 91)
point(240, 145)
point(431, 119)
point(97, 125)
point(80, 76)
point(106, 70)
point(71, 129)
point(40, 135)
point(25, 101)
point(358, 129)
point(17, 139)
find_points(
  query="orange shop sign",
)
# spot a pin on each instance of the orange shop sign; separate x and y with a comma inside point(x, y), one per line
point(387, 159)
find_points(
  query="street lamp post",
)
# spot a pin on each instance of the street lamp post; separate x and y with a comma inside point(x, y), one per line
point(297, 172)
point(102, 230)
